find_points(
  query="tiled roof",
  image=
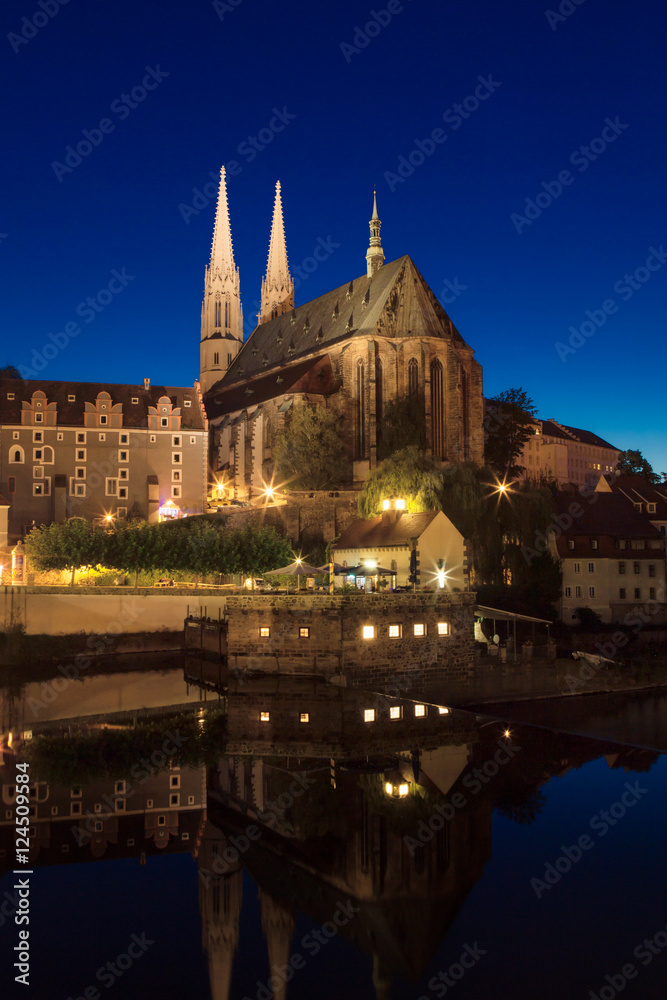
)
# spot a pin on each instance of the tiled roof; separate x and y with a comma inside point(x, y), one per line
point(313, 376)
point(639, 490)
point(71, 412)
point(396, 302)
point(609, 514)
point(378, 531)
point(553, 429)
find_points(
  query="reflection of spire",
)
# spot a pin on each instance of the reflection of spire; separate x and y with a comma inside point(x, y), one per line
point(278, 926)
point(277, 286)
point(220, 908)
point(381, 980)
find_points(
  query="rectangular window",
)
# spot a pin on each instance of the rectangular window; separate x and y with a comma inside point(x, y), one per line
point(103, 419)
point(591, 567)
point(567, 592)
point(176, 441)
point(176, 492)
point(123, 438)
point(577, 567)
point(38, 437)
point(591, 591)
point(121, 511)
point(638, 593)
point(123, 456)
point(38, 472)
point(368, 631)
point(186, 402)
point(651, 569)
point(570, 543)
point(419, 629)
point(577, 591)
point(37, 454)
point(264, 632)
point(443, 628)
point(175, 475)
point(651, 508)
point(135, 400)
point(369, 715)
point(304, 717)
point(395, 712)
point(395, 631)
point(175, 458)
point(81, 454)
point(80, 490)
point(621, 593)
point(264, 716)
point(594, 543)
point(81, 437)
point(122, 492)
point(164, 422)
point(304, 632)
point(110, 487)
point(10, 395)
point(636, 568)
point(123, 474)
point(621, 568)
point(80, 472)
point(651, 593)
point(39, 418)
point(174, 799)
point(442, 710)
point(71, 399)
point(75, 808)
point(420, 711)
point(38, 489)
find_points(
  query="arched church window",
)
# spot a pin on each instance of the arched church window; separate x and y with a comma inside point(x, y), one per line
point(218, 310)
point(360, 410)
point(226, 315)
point(379, 399)
point(413, 377)
point(464, 412)
point(437, 409)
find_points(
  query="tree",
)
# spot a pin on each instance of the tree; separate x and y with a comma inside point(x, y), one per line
point(309, 453)
point(508, 425)
point(9, 371)
point(132, 547)
point(66, 546)
point(409, 474)
point(403, 424)
point(633, 463)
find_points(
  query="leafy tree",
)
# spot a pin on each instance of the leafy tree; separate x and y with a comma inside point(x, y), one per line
point(507, 427)
point(132, 547)
point(66, 546)
point(9, 371)
point(409, 474)
point(309, 453)
point(403, 425)
point(633, 463)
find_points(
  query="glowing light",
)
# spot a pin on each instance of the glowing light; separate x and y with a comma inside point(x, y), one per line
point(108, 517)
point(402, 790)
point(389, 788)
point(507, 734)
point(441, 574)
point(400, 505)
point(370, 563)
point(369, 631)
point(385, 505)
point(442, 710)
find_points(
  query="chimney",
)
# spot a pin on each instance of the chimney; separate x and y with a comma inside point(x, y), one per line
point(147, 383)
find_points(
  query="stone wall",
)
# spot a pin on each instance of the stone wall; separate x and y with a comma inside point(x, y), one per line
point(318, 634)
point(307, 515)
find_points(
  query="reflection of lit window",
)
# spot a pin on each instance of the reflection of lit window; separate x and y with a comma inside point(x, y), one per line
point(443, 628)
point(419, 628)
point(304, 717)
point(369, 631)
point(394, 631)
point(395, 712)
point(264, 632)
point(369, 715)
point(304, 632)
point(420, 711)
point(264, 716)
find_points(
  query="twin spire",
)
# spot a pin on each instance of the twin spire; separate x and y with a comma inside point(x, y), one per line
point(277, 285)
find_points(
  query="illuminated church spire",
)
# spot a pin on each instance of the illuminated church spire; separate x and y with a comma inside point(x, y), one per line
point(277, 286)
point(375, 253)
point(221, 314)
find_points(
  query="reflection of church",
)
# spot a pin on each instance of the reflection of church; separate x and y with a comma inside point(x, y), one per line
point(380, 336)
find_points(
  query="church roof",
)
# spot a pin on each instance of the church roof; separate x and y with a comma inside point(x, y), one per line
point(396, 302)
point(14, 391)
point(314, 376)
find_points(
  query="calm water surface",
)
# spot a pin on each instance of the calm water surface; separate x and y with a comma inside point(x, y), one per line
point(315, 854)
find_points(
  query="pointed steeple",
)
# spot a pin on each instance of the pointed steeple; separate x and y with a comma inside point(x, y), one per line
point(221, 313)
point(375, 253)
point(277, 285)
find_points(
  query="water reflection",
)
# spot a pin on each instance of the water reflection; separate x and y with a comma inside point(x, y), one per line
point(374, 828)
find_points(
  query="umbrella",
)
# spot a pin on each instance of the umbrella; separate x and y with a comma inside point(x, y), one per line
point(338, 568)
point(362, 570)
point(297, 568)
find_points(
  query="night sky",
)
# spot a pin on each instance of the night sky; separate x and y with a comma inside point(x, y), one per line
point(348, 107)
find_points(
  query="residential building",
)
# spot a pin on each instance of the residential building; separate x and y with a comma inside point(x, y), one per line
point(94, 450)
point(566, 454)
point(647, 498)
point(612, 557)
point(379, 336)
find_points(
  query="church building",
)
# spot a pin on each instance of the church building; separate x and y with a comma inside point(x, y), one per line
point(379, 337)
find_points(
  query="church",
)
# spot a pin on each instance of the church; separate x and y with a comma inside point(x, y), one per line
point(381, 336)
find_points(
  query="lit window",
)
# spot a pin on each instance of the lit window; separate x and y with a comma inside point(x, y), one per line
point(304, 632)
point(264, 716)
point(395, 712)
point(369, 715)
point(420, 711)
point(442, 711)
point(394, 631)
point(443, 628)
point(369, 631)
point(264, 632)
point(419, 628)
point(304, 717)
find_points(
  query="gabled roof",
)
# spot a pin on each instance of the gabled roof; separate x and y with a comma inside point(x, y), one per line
point(313, 376)
point(553, 429)
point(609, 514)
point(378, 531)
point(71, 412)
point(395, 302)
point(638, 490)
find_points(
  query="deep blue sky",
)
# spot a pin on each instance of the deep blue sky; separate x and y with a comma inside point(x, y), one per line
point(356, 114)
